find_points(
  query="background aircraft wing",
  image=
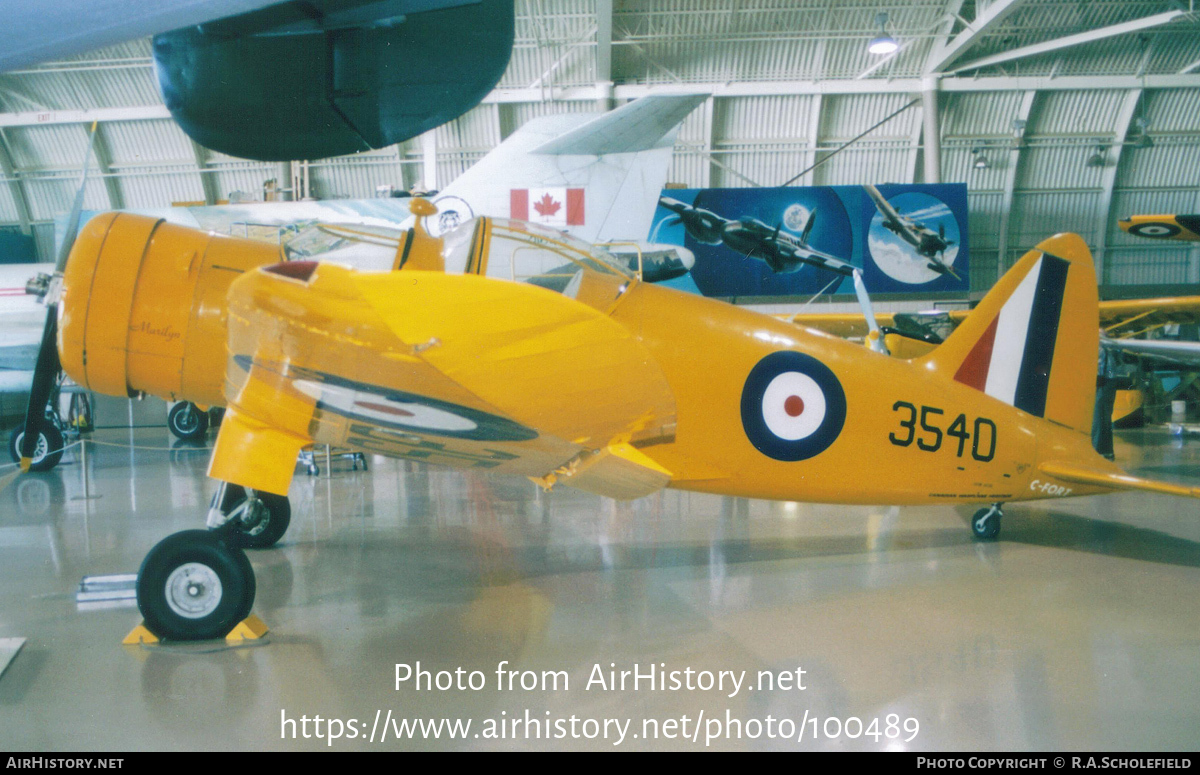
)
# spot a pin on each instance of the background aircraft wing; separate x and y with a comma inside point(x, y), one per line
point(1185, 228)
point(884, 207)
point(1165, 350)
point(1125, 317)
point(53, 29)
point(821, 260)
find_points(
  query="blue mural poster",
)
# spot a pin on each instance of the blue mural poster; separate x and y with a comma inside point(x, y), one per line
point(785, 241)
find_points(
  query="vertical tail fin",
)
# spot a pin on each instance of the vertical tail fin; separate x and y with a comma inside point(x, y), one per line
point(1034, 339)
point(598, 177)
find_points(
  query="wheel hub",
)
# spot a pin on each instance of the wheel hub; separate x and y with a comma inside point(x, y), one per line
point(186, 420)
point(256, 516)
point(193, 590)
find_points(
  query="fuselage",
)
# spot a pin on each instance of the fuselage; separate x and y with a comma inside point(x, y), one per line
point(878, 429)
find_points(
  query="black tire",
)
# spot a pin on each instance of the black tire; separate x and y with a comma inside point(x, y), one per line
point(985, 524)
point(175, 590)
point(275, 518)
point(187, 421)
point(49, 449)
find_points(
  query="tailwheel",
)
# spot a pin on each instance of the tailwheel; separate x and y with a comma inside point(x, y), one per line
point(256, 519)
point(985, 525)
point(187, 421)
point(194, 586)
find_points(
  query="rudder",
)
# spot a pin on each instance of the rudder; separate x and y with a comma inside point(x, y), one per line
point(1034, 339)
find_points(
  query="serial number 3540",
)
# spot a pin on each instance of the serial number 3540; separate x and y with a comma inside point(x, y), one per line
point(930, 436)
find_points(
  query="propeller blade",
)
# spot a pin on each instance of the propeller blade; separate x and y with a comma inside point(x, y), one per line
point(72, 231)
point(942, 231)
point(808, 226)
point(45, 372)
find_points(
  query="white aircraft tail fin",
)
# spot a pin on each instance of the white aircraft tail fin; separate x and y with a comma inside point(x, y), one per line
point(598, 177)
point(636, 126)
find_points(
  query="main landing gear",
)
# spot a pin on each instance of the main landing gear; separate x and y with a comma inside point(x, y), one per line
point(198, 584)
point(985, 525)
point(187, 421)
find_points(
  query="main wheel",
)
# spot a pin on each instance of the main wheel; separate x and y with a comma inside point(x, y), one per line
point(49, 448)
point(985, 525)
point(187, 421)
point(194, 586)
point(259, 519)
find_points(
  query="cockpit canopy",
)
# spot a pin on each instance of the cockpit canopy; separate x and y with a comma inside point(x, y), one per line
point(523, 252)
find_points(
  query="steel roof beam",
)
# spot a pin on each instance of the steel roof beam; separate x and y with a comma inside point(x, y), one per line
point(1108, 179)
point(1073, 40)
point(116, 200)
point(16, 186)
point(37, 117)
point(984, 21)
point(1010, 180)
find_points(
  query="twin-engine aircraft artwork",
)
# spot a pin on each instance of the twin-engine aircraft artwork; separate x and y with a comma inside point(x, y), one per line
point(511, 347)
point(755, 239)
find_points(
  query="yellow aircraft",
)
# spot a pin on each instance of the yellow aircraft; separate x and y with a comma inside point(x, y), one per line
point(1173, 227)
point(512, 347)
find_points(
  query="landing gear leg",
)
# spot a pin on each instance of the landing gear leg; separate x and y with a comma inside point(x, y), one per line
point(250, 519)
point(985, 525)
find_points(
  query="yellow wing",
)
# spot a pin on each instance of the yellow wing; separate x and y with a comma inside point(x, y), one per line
point(454, 369)
point(1185, 228)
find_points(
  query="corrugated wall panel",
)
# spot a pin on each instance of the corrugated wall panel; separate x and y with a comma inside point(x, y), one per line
point(845, 115)
point(1146, 266)
point(758, 118)
point(151, 187)
point(978, 115)
point(958, 166)
point(1162, 165)
point(1076, 112)
point(858, 166)
point(514, 115)
point(983, 215)
point(1058, 167)
point(1037, 215)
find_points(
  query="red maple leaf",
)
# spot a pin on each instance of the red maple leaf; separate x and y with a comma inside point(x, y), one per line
point(547, 206)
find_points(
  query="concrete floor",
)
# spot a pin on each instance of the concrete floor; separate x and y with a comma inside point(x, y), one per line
point(1077, 630)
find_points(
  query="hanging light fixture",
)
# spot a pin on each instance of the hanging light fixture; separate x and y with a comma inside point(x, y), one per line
point(1143, 138)
point(883, 43)
point(1098, 159)
point(981, 161)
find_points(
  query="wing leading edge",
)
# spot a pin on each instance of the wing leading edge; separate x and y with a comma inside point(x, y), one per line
point(454, 369)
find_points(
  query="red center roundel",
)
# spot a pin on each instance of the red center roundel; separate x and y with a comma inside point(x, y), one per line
point(792, 406)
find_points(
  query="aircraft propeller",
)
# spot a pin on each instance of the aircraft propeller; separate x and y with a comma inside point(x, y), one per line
point(47, 368)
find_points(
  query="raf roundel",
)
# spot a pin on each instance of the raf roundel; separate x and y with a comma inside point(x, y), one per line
point(1154, 229)
point(793, 407)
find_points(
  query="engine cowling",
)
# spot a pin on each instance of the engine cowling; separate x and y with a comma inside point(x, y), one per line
point(143, 308)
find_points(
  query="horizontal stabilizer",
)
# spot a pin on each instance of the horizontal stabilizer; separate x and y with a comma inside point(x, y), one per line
point(1117, 480)
point(637, 126)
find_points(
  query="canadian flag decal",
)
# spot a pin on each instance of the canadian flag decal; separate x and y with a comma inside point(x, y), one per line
point(551, 206)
